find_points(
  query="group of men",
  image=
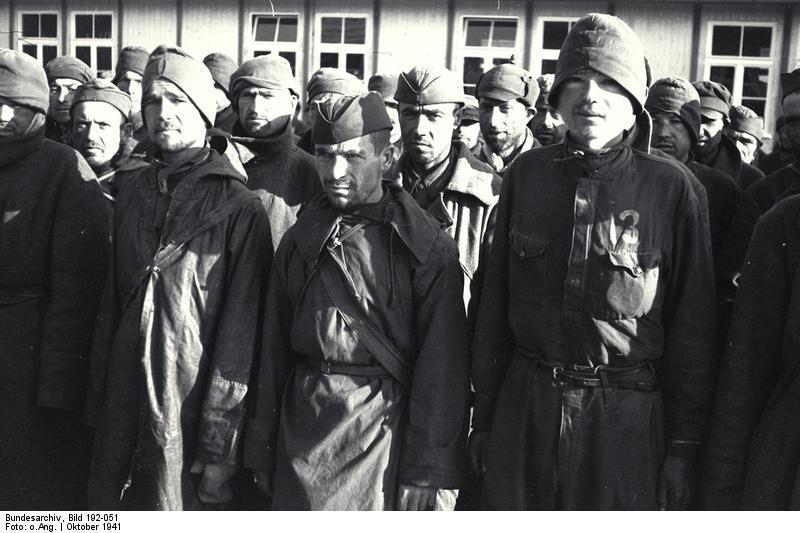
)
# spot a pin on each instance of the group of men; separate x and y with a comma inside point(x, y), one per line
point(224, 299)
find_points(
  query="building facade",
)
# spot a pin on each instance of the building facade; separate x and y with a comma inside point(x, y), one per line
point(743, 44)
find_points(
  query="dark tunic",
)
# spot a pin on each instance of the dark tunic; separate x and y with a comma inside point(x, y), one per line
point(726, 158)
point(753, 452)
point(177, 332)
point(53, 256)
point(723, 197)
point(339, 441)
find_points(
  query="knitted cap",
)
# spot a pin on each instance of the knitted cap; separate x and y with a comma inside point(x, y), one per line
point(333, 80)
point(68, 67)
point(508, 82)
point(221, 67)
point(428, 84)
point(471, 111)
point(386, 85)
point(746, 120)
point(349, 117)
point(545, 82)
point(713, 96)
point(605, 44)
point(269, 72)
point(190, 75)
point(23, 81)
point(677, 96)
point(103, 91)
point(790, 83)
point(131, 59)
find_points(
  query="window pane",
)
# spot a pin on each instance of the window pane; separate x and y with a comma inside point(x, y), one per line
point(103, 58)
point(30, 26)
point(554, 34)
point(261, 53)
point(723, 75)
point(331, 30)
point(102, 26)
point(83, 26)
point(505, 34)
point(49, 52)
point(757, 41)
point(473, 68)
point(725, 40)
point(469, 89)
point(355, 30)
point(287, 31)
point(329, 59)
point(291, 57)
point(84, 53)
point(265, 28)
point(49, 26)
point(549, 66)
point(756, 105)
point(755, 82)
point(478, 32)
point(29, 49)
point(355, 65)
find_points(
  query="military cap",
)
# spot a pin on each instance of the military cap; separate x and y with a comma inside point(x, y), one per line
point(131, 59)
point(790, 83)
point(745, 120)
point(679, 97)
point(713, 97)
point(386, 85)
point(508, 82)
point(68, 67)
point(471, 110)
point(269, 72)
point(349, 117)
point(23, 81)
point(221, 67)
point(428, 84)
point(333, 80)
point(103, 91)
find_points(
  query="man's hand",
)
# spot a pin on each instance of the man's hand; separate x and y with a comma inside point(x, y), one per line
point(263, 481)
point(675, 484)
point(214, 485)
point(478, 444)
point(414, 498)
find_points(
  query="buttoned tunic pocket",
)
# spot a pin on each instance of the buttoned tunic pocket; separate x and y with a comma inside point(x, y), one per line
point(626, 285)
point(528, 264)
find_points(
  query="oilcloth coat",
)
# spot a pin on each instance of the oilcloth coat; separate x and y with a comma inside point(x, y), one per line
point(177, 333)
point(334, 428)
point(54, 251)
point(752, 457)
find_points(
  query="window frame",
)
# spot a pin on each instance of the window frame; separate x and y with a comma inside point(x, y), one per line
point(275, 47)
point(342, 49)
point(39, 42)
point(93, 43)
point(488, 53)
point(547, 54)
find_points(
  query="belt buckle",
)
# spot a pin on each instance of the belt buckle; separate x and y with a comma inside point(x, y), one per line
point(325, 366)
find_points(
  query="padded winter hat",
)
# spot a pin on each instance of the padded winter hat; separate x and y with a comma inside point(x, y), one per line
point(508, 82)
point(23, 81)
point(746, 120)
point(190, 75)
point(428, 84)
point(68, 67)
point(386, 85)
point(221, 67)
point(713, 97)
point(131, 59)
point(269, 72)
point(333, 80)
point(790, 83)
point(349, 117)
point(103, 91)
point(677, 96)
point(605, 44)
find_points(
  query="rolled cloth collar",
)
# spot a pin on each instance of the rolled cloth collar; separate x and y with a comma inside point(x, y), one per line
point(131, 59)
point(333, 80)
point(713, 96)
point(790, 83)
point(349, 117)
point(23, 81)
point(101, 90)
point(746, 120)
point(269, 72)
point(68, 67)
point(677, 96)
point(427, 84)
point(508, 82)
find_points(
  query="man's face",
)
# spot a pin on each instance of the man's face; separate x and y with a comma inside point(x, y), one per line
point(427, 131)
point(746, 143)
point(263, 112)
point(503, 123)
point(61, 92)
point(97, 132)
point(548, 126)
point(791, 116)
point(350, 171)
point(468, 133)
point(595, 108)
point(671, 136)
point(14, 118)
point(711, 124)
point(173, 122)
point(131, 83)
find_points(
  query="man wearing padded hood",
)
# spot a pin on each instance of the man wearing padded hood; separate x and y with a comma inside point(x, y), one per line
point(593, 354)
point(180, 318)
point(128, 73)
point(265, 94)
point(442, 175)
point(362, 392)
point(53, 254)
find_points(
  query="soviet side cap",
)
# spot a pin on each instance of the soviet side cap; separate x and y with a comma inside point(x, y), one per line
point(349, 117)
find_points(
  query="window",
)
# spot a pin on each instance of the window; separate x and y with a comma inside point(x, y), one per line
point(553, 32)
point(342, 43)
point(276, 35)
point(742, 57)
point(93, 40)
point(487, 43)
point(39, 35)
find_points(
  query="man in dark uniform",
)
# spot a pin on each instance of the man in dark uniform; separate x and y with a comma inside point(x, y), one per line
point(222, 67)
point(64, 75)
point(746, 129)
point(128, 77)
point(324, 84)
point(546, 125)
point(386, 85)
point(469, 129)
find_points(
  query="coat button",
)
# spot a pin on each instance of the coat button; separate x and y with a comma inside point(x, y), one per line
point(522, 254)
point(638, 270)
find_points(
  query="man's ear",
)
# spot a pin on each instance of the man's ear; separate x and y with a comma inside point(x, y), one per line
point(531, 113)
point(457, 114)
point(126, 132)
point(387, 158)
